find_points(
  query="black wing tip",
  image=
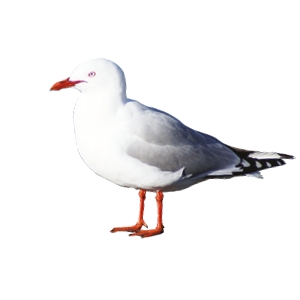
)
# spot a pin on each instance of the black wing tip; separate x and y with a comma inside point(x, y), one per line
point(245, 153)
point(286, 156)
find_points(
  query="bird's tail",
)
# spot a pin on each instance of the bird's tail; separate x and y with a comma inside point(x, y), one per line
point(254, 161)
point(251, 163)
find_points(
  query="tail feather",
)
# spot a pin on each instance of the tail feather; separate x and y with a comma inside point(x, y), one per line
point(255, 161)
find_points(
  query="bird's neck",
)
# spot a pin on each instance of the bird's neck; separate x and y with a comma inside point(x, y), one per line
point(100, 106)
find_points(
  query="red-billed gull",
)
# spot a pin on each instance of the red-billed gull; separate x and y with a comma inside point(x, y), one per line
point(141, 147)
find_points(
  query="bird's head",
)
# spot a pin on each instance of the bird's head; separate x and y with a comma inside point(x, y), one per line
point(94, 76)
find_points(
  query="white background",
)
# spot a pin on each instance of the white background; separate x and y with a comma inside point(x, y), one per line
point(227, 68)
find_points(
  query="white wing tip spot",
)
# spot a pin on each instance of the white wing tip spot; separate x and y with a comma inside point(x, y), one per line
point(245, 163)
point(258, 165)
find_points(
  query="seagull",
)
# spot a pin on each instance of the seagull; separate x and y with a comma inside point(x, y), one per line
point(140, 147)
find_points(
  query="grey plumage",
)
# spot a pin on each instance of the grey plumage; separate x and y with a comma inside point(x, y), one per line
point(164, 142)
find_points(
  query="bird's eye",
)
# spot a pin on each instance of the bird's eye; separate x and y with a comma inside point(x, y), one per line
point(92, 74)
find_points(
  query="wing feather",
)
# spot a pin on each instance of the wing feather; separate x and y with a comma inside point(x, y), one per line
point(162, 141)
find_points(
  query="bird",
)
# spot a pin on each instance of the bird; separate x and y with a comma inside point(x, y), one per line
point(140, 147)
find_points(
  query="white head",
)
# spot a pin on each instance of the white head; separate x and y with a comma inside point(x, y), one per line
point(95, 76)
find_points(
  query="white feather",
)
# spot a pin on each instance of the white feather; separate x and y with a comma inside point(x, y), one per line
point(225, 172)
point(255, 174)
point(264, 155)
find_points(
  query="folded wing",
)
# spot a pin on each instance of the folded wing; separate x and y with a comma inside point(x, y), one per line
point(162, 141)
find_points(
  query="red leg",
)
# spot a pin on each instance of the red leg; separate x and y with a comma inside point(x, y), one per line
point(159, 227)
point(140, 222)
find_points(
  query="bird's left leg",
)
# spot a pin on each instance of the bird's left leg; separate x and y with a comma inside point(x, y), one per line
point(140, 223)
point(159, 227)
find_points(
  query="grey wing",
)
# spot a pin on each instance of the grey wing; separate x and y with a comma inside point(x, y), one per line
point(166, 143)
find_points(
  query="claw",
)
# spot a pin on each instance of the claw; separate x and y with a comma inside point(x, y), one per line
point(144, 223)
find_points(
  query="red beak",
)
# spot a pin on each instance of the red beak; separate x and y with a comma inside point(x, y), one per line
point(64, 84)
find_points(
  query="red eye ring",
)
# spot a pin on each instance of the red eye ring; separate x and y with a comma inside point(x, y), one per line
point(92, 74)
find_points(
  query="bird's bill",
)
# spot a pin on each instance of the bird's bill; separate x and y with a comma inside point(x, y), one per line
point(64, 84)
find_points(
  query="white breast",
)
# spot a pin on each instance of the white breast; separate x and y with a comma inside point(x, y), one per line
point(102, 139)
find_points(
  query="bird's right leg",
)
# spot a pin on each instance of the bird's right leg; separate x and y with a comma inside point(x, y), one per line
point(140, 223)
